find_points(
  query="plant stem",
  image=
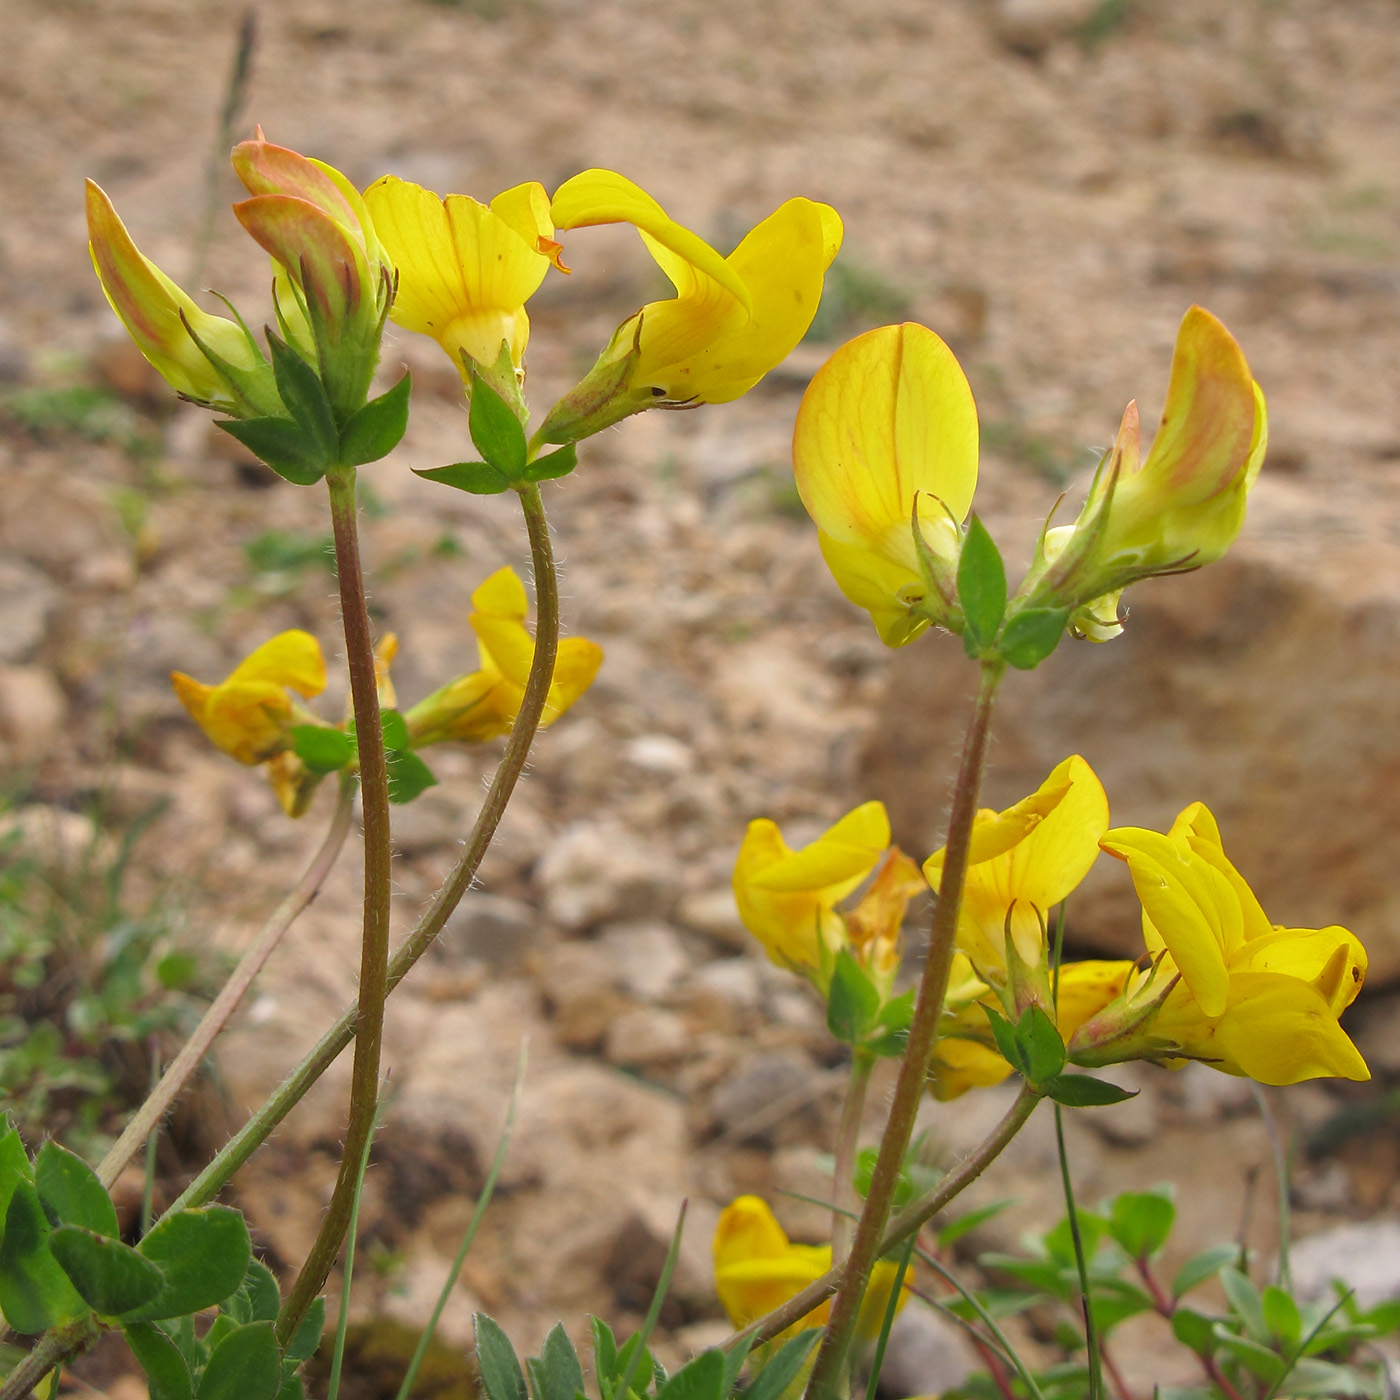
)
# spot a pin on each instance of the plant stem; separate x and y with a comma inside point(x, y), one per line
point(844, 1199)
point(1091, 1336)
point(323, 1054)
point(913, 1072)
point(374, 945)
point(231, 994)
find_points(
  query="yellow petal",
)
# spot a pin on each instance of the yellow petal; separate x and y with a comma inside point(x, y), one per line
point(291, 658)
point(1198, 826)
point(839, 859)
point(504, 644)
point(385, 650)
point(1332, 960)
point(247, 719)
point(959, 1065)
point(748, 1230)
point(1279, 1030)
point(884, 588)
point(1085, 988)
point(502, 594)
point(575, 667)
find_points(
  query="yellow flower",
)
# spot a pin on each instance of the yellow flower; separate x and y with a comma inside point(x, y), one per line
point(757, 1269)
point(1230, 988)
point(1023, 862)
point(887, 432)
point(249, 714)
point(732, 319)
point(484, 704)
point(1186, 503)
point(466, 269)
point(171, 331)
point(787, 899)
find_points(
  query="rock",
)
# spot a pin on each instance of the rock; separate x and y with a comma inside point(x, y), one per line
point(1260, 685)
point(648, 957)
point(772, 1087)
point(492, 928)
point(925, 1355)
point(645, 1037)
point(1030, 26)
point(440, 817)
point(32, 708)
point(29, 599)
point(659, 754)
point(1372, 1026)
point(578, 985)
point(596, 871)
point(715, 914)
point(417, 1286)
point(1206, 1094)
point(738, 982)
point(1326, 1186)
point(638, 1252)
point(1365, 1257)
point(54, 836)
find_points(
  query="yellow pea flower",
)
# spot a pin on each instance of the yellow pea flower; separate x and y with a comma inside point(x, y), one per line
point(1227, 987)
point(248, 715)
point(886, 443)
point(757, 1269)
point(1023, 862)
point(787, 899)
point(466, 269)
point(1183, 507)
point(731, 321)
point(171, 331)
point(484, 704)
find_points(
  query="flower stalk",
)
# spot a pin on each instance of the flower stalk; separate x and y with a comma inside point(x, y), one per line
point(844, 1201)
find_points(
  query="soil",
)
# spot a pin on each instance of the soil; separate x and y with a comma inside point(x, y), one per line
point(1049, 185)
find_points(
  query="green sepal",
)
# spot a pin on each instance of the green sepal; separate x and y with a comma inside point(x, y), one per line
point(409, 776)
point(167, 1371)
point(1030, 636)
point(1141, 1221)
point(203, 1254)
point(1042, 1049)
point(305, 398)
point(71, 1193)
point(495, 430)
point(701, 1378)
point(553, 464)
point(111, 1277)
point(501, 1375)
point(555, 1374)
point(280, 444)
point(322, 750)
point(245, 1365)
point(476, 478)
point(35, 1293)
point(378, 428)
point(981, 587)
point(394, 727)
point(1194, 1330)
point(1200, 1267)
point(890, 1037)
point(773, 1380)
point(1084, 1091)
point(852, 1001)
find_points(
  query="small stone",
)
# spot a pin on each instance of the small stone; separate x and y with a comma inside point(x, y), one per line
point(1031, 26)
point(648, 956)
point(1364, 1257)
point(577, 982)
point(925, 1355)
point(1372, 1026)
point(51, 835)
point(491, 928)
point(437, 818)
point(1207, 1095)
point(770, 1088)
point(639, 1249)
point(715, 914)
point(736, 981)
point(417, 1287)
point(659, 754)
point(30, 598)
point(32, 707)
point(594, 872)
point(645, 1037)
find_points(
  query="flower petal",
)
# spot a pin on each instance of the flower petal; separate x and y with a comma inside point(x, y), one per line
point(1279, 1030)
point(838, 859)
point(292, 659)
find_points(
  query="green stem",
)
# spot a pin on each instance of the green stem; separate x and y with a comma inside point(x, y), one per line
point(323, 1054)
point(844, 1199)
point(374, 946)
point(913, 1072)
point(230, 995)
point(1091, 1333)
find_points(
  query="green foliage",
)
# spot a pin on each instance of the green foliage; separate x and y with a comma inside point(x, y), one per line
point(981, 588)
point(378, 428)
point(275, 553)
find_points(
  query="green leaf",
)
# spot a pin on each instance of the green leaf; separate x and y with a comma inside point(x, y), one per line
point(1265, 1364)
point(166, 1369)
point(1004, 1033)
point(496, 431)
point(981, 587)
point(409, 776)
point(14, 1168)
point(245, 1365)
point(1281, 1316)
point(1199, 1267)
point(553, 464)
point(773, 1380)
point(395, 729)
point(71, 1193)
point(1244, 1300)
point(699, 1379)
point(35, 1293)
point(203, 1254)
point(604, 1355)
point(280, 444)
point(1194, 1330)
point(497, 1362)
point(1084, 1091)
point(308, 1336)
point(1141, 1222)
point(322, 750)
point(965, 1224)
point(264, 1297)
point(111, 1277)
point(378, 428)
point(555, 1374)
point(1030, 636)
point(852, 1003)
point(1042, 1050)
point(477, 478)
point(305, 399)
point(891, 1035)
point(734, 1360)
point(292, 1388)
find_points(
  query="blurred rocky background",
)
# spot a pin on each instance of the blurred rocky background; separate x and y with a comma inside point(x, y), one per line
point(1048, 184)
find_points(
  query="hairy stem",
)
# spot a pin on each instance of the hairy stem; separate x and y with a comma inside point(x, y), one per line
point(844, 1200)
point(323, 1054)
point(232, 993)
point(913, 1072)
point(374, 945)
